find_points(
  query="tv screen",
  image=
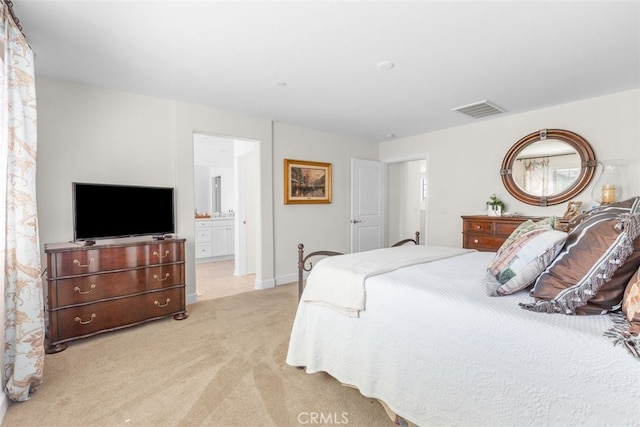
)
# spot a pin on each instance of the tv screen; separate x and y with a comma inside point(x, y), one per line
point(102, 211)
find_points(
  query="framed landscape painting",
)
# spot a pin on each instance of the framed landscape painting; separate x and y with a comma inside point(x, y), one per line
point(306, 182)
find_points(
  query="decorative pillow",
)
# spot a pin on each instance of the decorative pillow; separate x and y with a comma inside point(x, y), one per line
point(590, 274)
point(517, 266)
point(631, 303)
point(525, 227)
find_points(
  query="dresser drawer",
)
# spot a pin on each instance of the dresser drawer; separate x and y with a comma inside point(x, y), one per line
point(488, 233)
point(473, 226)
point(78, 262)
point(81, 321)
point(86, 289)
point(483, 242)
point(505, 228)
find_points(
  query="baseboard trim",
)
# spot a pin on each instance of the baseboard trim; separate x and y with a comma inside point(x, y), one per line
point(286, 279)
point(265, 284)
point(259, 284)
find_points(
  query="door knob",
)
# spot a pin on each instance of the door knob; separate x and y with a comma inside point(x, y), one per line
point(355, 221)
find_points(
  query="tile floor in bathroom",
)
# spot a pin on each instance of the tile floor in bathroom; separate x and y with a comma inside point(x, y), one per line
point(216, 280)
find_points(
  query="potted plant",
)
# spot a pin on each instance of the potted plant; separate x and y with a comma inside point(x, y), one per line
point(494, 206)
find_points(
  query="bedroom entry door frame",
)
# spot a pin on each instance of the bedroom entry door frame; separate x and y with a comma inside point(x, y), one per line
point(369, 201)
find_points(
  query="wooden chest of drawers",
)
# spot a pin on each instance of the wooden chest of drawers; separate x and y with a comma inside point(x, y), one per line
point(106, 287)
point(487, 233)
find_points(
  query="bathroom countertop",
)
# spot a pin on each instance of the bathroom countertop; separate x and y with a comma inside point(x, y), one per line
point(212, 218)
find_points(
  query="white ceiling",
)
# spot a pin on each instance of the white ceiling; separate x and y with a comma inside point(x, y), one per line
point(213, 151)
point(314, 63)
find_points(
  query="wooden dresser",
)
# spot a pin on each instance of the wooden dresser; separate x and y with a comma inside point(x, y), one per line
point(104, 287)
point(487, 233)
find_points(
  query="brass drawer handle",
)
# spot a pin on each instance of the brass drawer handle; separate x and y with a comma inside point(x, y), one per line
point(79, 320)
point(76, 262)
point(166, 276)
point(162, 305)
point(166, 254)
point(91, 288)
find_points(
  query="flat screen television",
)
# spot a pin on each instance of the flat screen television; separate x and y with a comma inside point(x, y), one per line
point(106, 211)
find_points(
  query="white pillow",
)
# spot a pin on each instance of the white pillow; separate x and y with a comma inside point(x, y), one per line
point(518, 265)
point(525, 227)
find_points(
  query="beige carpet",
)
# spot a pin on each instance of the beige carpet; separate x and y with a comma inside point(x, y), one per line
point(223, 366)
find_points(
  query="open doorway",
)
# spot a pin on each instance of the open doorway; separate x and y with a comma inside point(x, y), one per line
point(407, 200)
point(225, 183)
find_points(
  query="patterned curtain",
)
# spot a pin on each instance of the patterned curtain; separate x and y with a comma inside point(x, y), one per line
point(19, 245)
point(536, 176)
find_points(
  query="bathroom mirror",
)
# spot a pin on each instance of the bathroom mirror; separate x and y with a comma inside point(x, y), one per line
point(548, 167)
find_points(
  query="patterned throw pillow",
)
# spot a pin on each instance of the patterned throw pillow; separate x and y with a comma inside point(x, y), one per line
point(525, 227)
point(631, 303)
point(517, 266)
point(590, 274)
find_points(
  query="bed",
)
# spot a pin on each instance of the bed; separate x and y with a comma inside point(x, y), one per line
point(437, 346)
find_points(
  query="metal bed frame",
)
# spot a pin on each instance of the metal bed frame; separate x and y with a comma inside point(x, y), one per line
point(305, 265)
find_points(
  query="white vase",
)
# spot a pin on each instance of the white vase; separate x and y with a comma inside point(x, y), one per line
point(494, 210)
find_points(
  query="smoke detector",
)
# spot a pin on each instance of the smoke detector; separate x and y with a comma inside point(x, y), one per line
point(479, 109)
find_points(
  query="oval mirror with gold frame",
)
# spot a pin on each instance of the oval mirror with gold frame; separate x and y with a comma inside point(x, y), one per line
point(548, 167)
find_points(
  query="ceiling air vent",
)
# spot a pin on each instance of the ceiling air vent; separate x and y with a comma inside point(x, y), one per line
point(479, 109)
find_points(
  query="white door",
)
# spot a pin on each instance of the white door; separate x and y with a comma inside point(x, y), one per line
point(368, 205)
point(245, 253)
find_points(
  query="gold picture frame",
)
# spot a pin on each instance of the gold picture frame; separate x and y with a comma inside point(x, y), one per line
point(306, 182)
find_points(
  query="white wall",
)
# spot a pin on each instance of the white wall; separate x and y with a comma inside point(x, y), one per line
point(202, 190)
point(464, 162)
point(100, 135)
point(92, 134)
point(318, 226)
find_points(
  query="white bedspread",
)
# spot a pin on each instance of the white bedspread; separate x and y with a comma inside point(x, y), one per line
point(439, 351)
point(342, 278)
